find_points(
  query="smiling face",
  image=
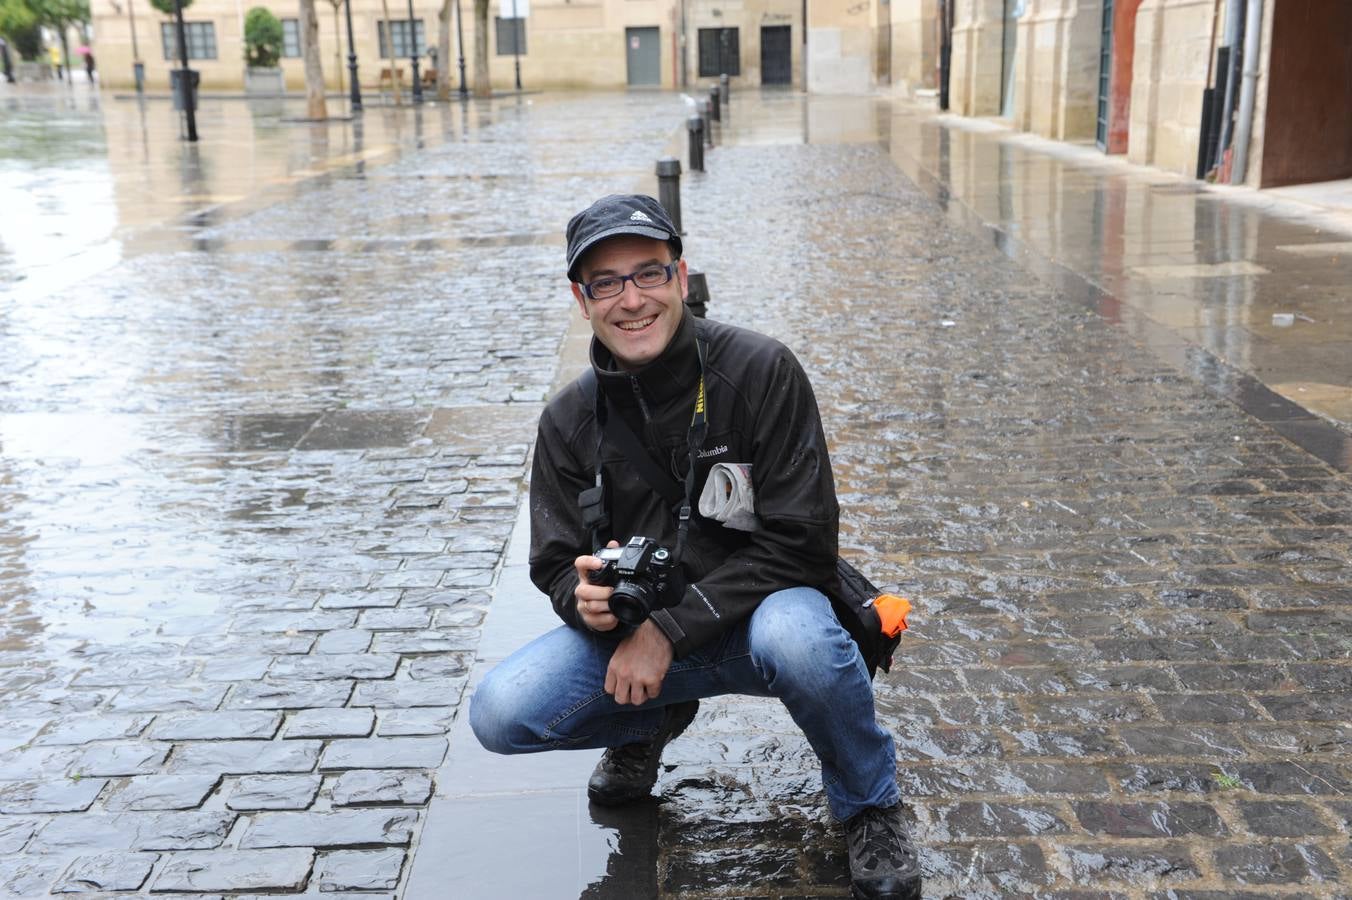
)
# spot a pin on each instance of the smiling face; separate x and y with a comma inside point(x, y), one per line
point(637, 324)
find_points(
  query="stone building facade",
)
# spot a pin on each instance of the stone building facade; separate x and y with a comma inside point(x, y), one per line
point(1133, 76)
point(661, 44)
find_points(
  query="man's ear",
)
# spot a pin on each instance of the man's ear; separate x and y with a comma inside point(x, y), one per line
point(682, 274)
point(581, 299)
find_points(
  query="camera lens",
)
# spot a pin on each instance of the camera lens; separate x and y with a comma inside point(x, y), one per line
point(632, 602)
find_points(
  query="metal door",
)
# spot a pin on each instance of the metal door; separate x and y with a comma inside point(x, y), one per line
point(1105, 76)
point(776, 54)
point(643, 54)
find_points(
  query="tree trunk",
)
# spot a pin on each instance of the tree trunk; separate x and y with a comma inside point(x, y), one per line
point(444, 60)
point(315, 106)
point(389, 45)
point(482, 86)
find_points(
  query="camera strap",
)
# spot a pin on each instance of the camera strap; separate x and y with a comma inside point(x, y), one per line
point(613, 427)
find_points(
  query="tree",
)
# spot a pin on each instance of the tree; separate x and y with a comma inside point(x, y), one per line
point(167, 6)
point(315, 106)
point(262, 38)
point(20, 26)
point(59, 15)
point(482, 86)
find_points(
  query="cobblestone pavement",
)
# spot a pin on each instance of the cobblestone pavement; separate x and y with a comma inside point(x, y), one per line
point(251, 515)
point(259, 465)
point(1128, 673)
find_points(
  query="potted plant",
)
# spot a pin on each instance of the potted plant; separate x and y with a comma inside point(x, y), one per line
point(262, 50)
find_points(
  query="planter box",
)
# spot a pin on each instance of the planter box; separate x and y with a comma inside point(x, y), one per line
point(264, 82)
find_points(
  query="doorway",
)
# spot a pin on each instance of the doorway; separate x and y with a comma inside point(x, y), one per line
point(1105, 76)
point(643, 56)
point(1308, 133)
point(776, 54)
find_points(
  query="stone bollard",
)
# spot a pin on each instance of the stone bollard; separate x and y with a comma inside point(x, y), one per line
point(695, 125)
point(714, 104)
point(697, 294)
point(708, 123)
point(725, 93)
point(669, 188)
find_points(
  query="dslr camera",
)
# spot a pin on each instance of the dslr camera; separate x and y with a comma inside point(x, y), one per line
point(642, 572)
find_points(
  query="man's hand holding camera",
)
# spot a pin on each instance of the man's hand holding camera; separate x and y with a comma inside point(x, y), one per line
point(641, 660)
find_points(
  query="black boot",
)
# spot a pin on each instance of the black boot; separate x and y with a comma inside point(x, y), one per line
point(884, 864)
point(628, 773)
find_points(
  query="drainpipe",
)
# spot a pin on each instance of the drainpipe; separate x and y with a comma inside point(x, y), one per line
point(1244, 129)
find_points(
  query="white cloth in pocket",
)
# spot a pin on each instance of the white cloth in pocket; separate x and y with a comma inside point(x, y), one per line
point(729, 497)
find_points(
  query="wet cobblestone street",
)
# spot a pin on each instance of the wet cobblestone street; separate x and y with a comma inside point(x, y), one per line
point(258, 477)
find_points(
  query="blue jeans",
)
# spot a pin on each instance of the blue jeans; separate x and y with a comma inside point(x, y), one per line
point(549, 695)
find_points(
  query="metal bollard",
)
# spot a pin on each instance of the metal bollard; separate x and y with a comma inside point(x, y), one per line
point(713, 102)
point(724, 92)
point(708, 123)
point(669, 188)
point(697, 293)
point(695, 125)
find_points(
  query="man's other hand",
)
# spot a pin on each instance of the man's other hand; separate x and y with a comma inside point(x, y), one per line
point(593, 600)
point(638, 665)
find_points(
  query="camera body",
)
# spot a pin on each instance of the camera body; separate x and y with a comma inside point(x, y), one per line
point(643, 574)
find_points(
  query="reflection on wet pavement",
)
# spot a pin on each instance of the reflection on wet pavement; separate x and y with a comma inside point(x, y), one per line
point(265, 422)
point(1213, 270)
point(259, 466)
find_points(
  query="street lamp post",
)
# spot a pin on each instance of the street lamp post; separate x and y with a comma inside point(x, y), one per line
point(355, 94)
point(413, 54)
point(138, 68)
point(516, 44)
point(185, 84)
point(460, 46)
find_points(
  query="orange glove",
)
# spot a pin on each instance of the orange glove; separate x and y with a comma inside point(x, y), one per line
point(892, 610)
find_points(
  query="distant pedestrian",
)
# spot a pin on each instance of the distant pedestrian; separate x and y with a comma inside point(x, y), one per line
point(6, 61)
point(54, 55)
point(88, 61)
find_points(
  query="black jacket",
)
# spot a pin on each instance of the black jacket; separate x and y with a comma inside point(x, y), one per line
point(761, 411)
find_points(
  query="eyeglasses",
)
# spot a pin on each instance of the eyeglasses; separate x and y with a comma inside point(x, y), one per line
point(609, 286)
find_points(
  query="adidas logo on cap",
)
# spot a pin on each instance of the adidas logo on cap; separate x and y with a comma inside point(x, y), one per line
point(639, 215)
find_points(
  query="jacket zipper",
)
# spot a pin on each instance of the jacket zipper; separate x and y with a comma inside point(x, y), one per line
point(648, 426)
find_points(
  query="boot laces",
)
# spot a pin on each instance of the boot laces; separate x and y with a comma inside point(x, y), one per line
point(629, 760)
point(878, 839)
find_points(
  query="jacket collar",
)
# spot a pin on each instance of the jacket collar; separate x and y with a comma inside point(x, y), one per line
point(672, 375)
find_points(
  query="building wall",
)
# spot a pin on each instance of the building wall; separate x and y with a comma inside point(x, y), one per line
point(974, 80)
point(748, 17)
point(1169, 74)
point(842, 46)
point(1057, 68)
point(568, 44)
point(915, 44)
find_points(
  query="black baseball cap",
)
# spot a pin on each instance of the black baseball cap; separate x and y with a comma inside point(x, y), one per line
point(615, 215)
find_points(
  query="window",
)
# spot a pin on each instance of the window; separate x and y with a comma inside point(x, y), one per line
point(718, 53)
point(511, 40)
point(290, 38)
point(201, 39)
point(399, 31)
